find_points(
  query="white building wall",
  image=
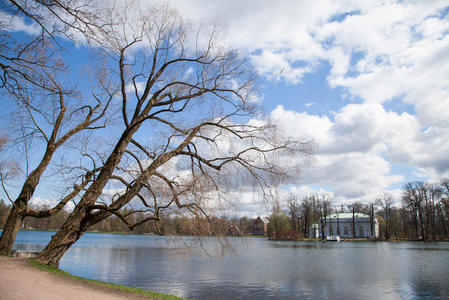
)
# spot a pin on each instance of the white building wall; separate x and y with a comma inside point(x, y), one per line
point(343, 228)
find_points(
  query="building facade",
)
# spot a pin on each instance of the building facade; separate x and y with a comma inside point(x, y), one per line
point(314, 231)
point(347, 225)
point(260, 226)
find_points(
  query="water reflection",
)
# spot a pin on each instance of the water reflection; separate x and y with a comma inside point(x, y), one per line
point(260, 269)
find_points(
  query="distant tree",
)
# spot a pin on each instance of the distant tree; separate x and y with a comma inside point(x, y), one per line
point(278, 225)
point(443, 207)
point(294, 212)
point(324, 207)
point(246, 225)
point(433, 196)
point(414, 196)
point(385, 204)
point(305, 215)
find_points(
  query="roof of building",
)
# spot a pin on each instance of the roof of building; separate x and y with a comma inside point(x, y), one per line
point(347, 216)
point(263, 219)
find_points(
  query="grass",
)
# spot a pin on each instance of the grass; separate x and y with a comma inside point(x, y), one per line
point(146, 293)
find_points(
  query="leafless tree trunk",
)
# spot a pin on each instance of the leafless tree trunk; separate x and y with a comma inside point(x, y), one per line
point(325, 211)
point(353, 222)
point(294, 212)
point(442, 219)
point(306, 212)
point(444, 205)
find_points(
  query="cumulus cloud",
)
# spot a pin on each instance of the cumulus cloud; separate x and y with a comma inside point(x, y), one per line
point(398, 51)
point(379, 51)
point(358, 148)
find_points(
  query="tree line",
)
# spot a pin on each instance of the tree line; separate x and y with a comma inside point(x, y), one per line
point(176, 225)
point(422, 214)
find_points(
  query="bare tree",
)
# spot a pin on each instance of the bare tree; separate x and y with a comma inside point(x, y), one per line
point(187, 139)
point(443, 206)
point(324, 205)
point(414, 196)
point(434, 193)
point(385, 205)
point(51, 111)
point(306, 211)
point(294, 211)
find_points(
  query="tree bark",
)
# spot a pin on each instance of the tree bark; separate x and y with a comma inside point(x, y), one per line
point(72, 230)
point(15, 217)
point(10, 231)
point(306, 222)
point(77, 223)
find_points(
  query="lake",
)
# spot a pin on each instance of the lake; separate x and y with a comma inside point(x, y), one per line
point(256, 268)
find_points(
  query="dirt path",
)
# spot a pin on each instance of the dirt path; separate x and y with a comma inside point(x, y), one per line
point(19, 280)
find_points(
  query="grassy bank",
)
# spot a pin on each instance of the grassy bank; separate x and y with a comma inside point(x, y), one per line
point(146, 293)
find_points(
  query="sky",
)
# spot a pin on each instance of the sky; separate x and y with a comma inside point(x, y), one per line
point(367, 81)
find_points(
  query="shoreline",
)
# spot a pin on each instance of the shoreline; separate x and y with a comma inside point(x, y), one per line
point(365, 240)
point(256, 236)
point(22, 278)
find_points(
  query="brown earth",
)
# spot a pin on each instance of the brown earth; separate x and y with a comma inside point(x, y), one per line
point(19, 280)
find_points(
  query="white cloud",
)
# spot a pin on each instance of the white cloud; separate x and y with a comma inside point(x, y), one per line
point(139, 86)
point(277, 36)
point(402, 50)
point(380, 51)
point(276, 66)
point(302, 125)
point(39, 202)
point(13, 24)
point(357, 149)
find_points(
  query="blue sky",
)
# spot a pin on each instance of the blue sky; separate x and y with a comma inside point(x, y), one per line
point(368, 81)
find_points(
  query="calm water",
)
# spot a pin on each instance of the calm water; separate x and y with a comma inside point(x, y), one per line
point(258, 268)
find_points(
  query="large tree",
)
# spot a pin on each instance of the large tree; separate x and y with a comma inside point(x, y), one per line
point(188, 136)
point(50, 108)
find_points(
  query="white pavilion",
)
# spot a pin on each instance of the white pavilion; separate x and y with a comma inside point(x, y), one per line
point(342, 225)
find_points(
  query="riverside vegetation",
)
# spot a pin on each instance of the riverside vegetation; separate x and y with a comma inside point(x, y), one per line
point(422, 215)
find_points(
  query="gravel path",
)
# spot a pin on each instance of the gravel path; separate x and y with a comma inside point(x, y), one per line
point(19, 280)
